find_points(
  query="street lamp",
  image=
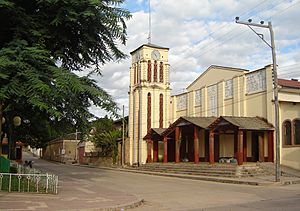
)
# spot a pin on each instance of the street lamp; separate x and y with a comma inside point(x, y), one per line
point(275, 83)
point(16, 121)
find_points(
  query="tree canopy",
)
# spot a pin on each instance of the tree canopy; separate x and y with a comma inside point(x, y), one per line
point(42, 42)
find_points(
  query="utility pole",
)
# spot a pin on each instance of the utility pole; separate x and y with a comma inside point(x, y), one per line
point(123, 139)
point(275, 84)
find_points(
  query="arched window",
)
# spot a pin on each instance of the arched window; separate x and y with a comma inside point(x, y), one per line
point(161, 72)
point(287, 132)
point(296, 126)
point(155, 72)
point(161, 110)
point(149, 71)
point(148, 111)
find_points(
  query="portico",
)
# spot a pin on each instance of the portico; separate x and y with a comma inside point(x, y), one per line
point(208, 139)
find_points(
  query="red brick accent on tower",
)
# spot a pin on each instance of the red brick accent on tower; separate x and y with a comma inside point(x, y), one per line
point(149, 71)
point(149, 111)
point(161, 110)
point(155, 72)
point(161, 72)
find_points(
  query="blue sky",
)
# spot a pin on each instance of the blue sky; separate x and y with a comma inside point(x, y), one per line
point(201, 33)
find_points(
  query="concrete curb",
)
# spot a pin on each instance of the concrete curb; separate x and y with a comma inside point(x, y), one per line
point(203, 178)
point(119, 207)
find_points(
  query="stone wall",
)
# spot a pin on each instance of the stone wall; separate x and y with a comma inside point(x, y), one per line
point(61, 151)
point(98, 161)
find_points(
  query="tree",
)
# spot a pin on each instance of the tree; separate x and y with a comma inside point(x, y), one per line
point(108, 142)
point(42, 42)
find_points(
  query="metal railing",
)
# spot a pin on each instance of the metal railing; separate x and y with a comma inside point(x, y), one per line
point(18, 182)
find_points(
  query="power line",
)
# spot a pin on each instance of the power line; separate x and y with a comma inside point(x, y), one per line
point(175, 65)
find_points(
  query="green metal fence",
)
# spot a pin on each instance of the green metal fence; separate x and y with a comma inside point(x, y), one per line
point(4, 165)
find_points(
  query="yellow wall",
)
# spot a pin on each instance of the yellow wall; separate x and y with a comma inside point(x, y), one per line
point(202, 143)
point(226, 145)
point(214, 74)
point(249, 144)
point(290, 156)
point(256, 105)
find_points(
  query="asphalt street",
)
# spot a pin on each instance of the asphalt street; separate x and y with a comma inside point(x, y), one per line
point(83, 188)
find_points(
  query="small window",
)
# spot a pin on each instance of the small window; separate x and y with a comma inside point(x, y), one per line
point(296, 131)
point(286, 132)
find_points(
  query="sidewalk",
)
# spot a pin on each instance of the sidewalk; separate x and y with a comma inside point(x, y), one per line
point(74, 193)
point(107, 200)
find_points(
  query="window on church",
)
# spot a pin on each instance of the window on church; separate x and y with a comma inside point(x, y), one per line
point(286, 132)
point(296, 124)
point(161, 72)
point(148, 111)
point(149, 71)
point(161, 110)
point(155, 72)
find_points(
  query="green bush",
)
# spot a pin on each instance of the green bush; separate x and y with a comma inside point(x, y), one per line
point(13, 170)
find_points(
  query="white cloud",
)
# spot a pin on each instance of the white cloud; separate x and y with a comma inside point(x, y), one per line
point(203, 33)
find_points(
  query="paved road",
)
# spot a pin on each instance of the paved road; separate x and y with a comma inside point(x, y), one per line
point(83, 187)
point(80, 188)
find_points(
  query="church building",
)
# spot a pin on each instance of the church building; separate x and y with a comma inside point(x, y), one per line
point(225, 113)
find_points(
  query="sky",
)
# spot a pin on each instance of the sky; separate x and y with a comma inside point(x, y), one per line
point(201, 33)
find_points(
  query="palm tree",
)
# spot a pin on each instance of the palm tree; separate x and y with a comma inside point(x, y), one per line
point(108, 141)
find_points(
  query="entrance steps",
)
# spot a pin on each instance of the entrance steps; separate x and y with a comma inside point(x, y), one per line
point(205, 169)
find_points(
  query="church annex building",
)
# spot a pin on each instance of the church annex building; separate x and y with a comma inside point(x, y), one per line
point(225, 113)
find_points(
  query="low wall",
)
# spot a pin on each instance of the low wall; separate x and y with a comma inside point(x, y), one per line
point(98, 161)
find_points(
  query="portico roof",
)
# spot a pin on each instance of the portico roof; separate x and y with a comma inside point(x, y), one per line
point(202, 122)
point(242, 123)
point(154, 133)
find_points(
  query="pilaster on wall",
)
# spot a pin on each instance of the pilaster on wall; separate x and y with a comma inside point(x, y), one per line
point(143, 123)
point(131, 125)
point(135, 125)
point(236, 96)
point(242, 86)
point(167, 109)
point(221, 98)
point(204, 101)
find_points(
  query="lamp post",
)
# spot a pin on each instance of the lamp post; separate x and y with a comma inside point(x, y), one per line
point(16, 121)
point(275, 83)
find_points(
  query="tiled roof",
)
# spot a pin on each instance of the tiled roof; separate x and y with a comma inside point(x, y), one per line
point(159, 131)
point(247, 123)
point(289, 83)
point(202, 122)
point(154, 132)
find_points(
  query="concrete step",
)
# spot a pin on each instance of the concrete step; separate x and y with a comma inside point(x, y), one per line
point(216, 170)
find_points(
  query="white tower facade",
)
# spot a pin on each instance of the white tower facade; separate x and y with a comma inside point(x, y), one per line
point(149, 96)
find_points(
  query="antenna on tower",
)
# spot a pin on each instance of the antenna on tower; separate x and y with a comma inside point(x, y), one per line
point(149, 35)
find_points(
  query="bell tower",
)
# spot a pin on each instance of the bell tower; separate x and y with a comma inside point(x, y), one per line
point(149, 96)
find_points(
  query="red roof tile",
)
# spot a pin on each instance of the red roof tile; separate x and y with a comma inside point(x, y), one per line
point(289, 83)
